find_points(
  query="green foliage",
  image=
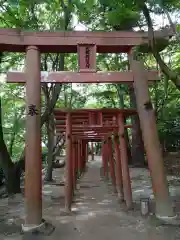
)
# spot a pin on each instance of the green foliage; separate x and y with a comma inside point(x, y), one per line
point(125, 17)
point(13, 118)
point(71, 98)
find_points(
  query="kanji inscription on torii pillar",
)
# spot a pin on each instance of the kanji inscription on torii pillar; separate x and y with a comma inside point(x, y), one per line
point(32, 110)
point(87, 57)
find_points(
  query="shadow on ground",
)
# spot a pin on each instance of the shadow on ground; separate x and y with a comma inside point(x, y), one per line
point(96, 213)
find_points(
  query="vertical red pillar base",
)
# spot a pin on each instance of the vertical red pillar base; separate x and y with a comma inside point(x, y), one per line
point(69, 167)
point(125, 168)
point(105, 160)
point(33, 156)
point(111, 162)
point(79, 159)
point(119, 180)
point(83, 157)
point(92, 151)
point(151, 140)
point(74, 164)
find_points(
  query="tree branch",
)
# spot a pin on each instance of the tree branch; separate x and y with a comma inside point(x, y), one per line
point(172, 75)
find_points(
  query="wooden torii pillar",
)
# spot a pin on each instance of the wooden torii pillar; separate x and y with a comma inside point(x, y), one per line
point(33, 177)
point(124, 161)
point(69, 164)
point(92, 151)
point(119, 181)
point(164, 208)
point(111, 163)
point(92, 119)
point(74, 164)
point(104, 159)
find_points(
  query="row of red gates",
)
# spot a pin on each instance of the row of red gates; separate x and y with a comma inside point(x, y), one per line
point(86, 44)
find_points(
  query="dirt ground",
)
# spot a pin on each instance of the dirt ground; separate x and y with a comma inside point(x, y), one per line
point(96, 211)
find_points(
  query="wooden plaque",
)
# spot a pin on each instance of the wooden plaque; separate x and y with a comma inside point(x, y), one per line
point(87, 57)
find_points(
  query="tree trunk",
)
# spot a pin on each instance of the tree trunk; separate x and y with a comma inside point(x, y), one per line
point(137, 149)
point(50, 134)
point(126, 136)
point(10, 171)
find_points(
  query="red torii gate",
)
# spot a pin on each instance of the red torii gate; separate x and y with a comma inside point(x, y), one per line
point(84, 125)
point(86, 44)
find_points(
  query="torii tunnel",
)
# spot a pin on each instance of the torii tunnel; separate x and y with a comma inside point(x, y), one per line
point(105, 125)
point(96, 125)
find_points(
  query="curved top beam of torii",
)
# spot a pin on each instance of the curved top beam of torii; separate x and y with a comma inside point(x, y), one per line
point(15, 40)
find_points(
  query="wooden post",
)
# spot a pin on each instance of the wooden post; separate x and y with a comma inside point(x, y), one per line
point(87, 57)
point(84, 155)
point(105, 159)
point(92, 120)
point(33, 156)
point(86, 151)
point(79, 159)
point(81, 155)
point(74, 163)
point(124, 162)
point(92, 151)
point(69, 172)
point(77, 165)
point(111, 163)
point(150, 137)
point(119, 179)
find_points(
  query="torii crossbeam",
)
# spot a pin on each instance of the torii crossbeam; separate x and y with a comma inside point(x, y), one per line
point(83, 77)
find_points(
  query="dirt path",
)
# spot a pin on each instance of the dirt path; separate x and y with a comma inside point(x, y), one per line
point(97, 214)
